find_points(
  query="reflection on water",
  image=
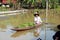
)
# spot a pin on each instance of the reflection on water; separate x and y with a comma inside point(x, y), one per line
point(26, 35)
point(19, 33)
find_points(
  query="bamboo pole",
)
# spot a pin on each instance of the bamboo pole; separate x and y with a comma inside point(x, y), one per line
point(46, 16)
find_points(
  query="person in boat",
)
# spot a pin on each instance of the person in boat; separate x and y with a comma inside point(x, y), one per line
point(37, 22)
point(56, 36)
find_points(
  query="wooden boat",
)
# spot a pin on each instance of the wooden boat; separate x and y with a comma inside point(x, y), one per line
point(22, 29)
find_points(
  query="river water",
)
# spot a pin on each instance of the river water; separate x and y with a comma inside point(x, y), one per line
point(8, 34)
point(46, 30)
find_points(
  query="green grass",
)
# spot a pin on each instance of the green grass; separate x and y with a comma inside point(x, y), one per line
point(3, 9)
point(7, 8)
point(24, 25)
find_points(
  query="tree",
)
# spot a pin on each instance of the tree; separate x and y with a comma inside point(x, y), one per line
point(28, 3)
point(53, 3)
point(44, 3)
point(59, 2)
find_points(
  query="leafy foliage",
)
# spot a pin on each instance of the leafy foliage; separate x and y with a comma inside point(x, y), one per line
point(24, 25)
point(53, 3)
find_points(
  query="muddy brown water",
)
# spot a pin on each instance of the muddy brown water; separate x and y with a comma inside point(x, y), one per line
point(15, 20)
point(8, 34)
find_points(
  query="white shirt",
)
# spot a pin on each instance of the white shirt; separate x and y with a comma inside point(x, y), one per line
point(38, 20)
